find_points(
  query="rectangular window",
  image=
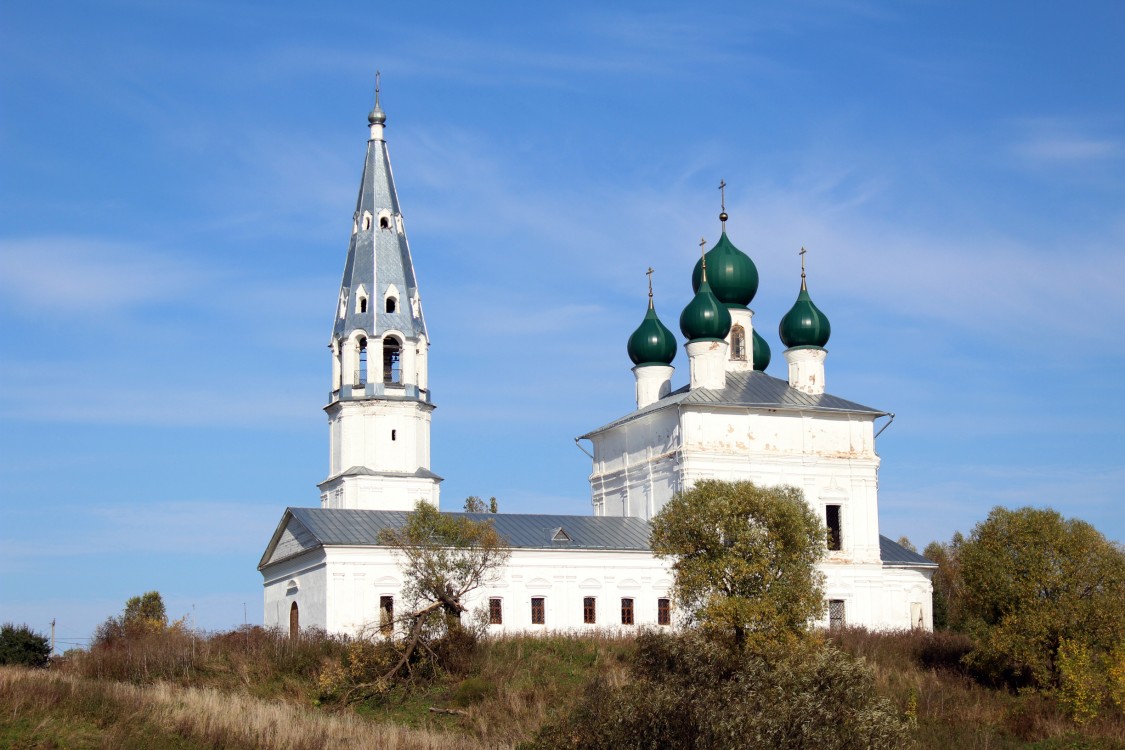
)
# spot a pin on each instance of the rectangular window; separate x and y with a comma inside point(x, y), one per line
point(538, 610)
point(626, 611)
point(386, 614)
point(495, 611)
point(832, 521)
point(663, 611)
point(589, 610)
point(836, 613)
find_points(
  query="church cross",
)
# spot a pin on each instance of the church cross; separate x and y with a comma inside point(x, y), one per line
point(702, 245)
point(802, 254)
point(723, 201)
point(649, 274)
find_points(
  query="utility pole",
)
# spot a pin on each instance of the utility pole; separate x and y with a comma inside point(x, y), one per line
point(52, 636)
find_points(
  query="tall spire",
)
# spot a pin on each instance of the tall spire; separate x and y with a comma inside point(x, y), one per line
point(379, 408)
point(379, 291)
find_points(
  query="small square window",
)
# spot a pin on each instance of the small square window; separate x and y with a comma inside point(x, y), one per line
point(663, 611)
point(589, 610)
point(495, 611)
point(538, 610)
point(626, 611)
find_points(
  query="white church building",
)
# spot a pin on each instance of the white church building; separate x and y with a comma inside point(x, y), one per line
point(324, 566)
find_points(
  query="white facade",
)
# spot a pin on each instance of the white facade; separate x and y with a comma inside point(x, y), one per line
point(340, 589)
point(731, 423)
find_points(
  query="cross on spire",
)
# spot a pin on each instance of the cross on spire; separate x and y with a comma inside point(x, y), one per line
point(723, 203)
point(802, 254)
point(377, 88)
point(649, 274)
point(703, 252)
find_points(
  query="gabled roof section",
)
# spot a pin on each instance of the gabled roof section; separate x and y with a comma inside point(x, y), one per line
point(349, 527)
point(378, 257)
point(894, 554)
point(291, 538)
point(751, 389)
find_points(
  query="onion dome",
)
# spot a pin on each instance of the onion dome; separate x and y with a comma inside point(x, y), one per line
point(652, 343)
point(804, 324)
point(761, 352)
point(705, 318)
point(733, 276)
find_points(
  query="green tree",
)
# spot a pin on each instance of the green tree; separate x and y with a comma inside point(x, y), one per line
point(946, 581)
point(1032, 580)
point(145, 613)
point(21, 645)
point(473, 504)
point(744, 559)
point(444, 557)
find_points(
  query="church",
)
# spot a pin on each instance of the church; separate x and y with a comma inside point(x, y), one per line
point(325, 568)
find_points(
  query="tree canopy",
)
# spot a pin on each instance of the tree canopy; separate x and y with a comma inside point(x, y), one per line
point(21, 645)
point(445, 557)
point(1031, 581)
point(744, 558)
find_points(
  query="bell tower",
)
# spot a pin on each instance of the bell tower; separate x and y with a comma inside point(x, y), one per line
point(379, 408)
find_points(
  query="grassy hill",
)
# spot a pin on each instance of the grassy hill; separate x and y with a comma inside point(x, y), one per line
point(252, 688)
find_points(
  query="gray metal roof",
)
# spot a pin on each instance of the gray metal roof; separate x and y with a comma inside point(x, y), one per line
point(316, 527)
point(363, 471)
point(337, 526)
point(378, 257)
point(893, 553)
point(749, 389)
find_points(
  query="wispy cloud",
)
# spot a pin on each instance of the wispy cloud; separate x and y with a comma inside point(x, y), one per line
point(67, 274)
point(1057, 142)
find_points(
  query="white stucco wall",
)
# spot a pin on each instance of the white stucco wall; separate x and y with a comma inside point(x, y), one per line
point(340, 589)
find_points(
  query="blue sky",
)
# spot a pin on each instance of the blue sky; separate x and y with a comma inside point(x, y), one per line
point(176, 188)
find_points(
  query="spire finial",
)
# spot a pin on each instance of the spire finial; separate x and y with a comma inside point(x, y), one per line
point(649, 274)
point(723, 203)
point(377, 116)
point(703, 252)
point(802, 254)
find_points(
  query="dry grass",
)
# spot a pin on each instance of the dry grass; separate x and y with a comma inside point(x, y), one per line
point(954, 710)
point(206, 716)
point(256, 688)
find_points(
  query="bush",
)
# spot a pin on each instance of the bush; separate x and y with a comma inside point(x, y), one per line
point(22, 645)
point(689, 693)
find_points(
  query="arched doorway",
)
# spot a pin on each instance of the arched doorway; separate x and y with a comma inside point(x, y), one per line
point(294, 621)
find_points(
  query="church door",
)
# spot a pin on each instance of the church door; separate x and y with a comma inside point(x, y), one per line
point(294, 622)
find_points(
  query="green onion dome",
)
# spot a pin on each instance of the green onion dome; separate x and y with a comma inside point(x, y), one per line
point(731, 273)
point(705, 318)
point(761, 352)
point(652, 343)
point(804, 324)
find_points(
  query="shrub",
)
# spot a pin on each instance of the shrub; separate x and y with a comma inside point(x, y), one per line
point(22, 645)
point(687, 692)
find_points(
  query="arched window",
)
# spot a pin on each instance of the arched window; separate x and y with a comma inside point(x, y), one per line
point(738, 343)
point(294, 622)
point(363, 305)
point(366, 221)
point(361, 371)
point(392, 370)
point(392, 304)
point(384, 222)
